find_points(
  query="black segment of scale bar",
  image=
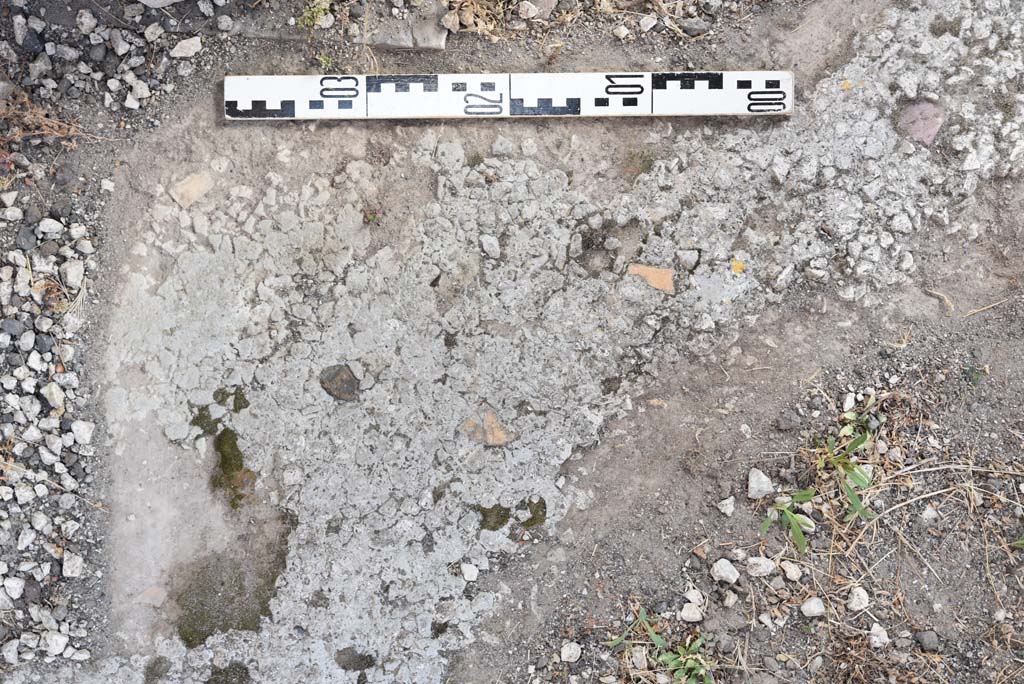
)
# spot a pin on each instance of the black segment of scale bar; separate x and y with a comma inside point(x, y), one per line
point(402, 83)
point(259, 110)
point(687, 79)
point(545, 107)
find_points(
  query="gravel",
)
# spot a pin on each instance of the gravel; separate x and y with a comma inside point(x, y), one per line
point(813, 607)
point(858, 599)
point(724, 571)
point(928, 640)
point(759, 485)
point(759, 566)
point(571, 652)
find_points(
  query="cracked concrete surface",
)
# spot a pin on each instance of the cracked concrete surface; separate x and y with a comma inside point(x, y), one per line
point(476, 273)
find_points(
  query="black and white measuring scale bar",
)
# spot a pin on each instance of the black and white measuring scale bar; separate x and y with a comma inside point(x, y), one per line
point(458, 96)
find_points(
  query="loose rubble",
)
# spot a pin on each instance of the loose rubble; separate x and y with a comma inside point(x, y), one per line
point(47, 447)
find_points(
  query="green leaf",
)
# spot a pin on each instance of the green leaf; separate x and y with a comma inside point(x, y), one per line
point(869, 403)
point(616, 641)
point(668, 658)
point(804, 495)
point(830, 445)
point(860, 477)
point(1019, 544)
point(847, 430)
point(622, 637)
point(850, 415)
point(856, 504)
point(806, 524)
point(658, 640)
point(857, 443)
point(796, 532)
point(765, 525)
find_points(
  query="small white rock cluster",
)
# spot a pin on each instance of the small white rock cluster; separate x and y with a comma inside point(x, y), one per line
point(41, 288)
point(75, 61)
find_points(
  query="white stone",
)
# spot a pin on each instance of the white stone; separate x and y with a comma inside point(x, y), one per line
point(74, 565)
point(759, 566)
point(470, 572)
point(858, 600)
point(813, 607)
point(724, 571)
point(53, 394)
point(490, 245)
point(620, 32)
point(792, 570)
point(571, 652)
point(647, 22)
point(189, 47)
point(691, 612)
point(86, 22)
point(82, 430)
point(759, 485)
point(51, 227)
point(727, 506)
point(53, 642)
point(878, 637)
point(72, 273)
point(527, 10)
point(10, 652)
point(14, 586)
point(153, 31)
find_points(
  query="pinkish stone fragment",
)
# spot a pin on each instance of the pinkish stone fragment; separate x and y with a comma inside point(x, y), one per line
point(921, 121)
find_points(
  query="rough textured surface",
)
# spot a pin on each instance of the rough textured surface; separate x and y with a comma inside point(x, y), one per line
point(495, 297)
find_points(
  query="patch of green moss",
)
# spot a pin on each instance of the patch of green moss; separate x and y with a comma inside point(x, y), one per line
point(234, 673)
point(232, 399)
point(493, 518)
point(538, 512)
point(232, 589)
point(239, 401)
point(230, 474)
point(204, 421)
point(156, 669)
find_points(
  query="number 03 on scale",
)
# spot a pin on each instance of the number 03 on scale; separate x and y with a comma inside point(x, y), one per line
point(468, 96)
